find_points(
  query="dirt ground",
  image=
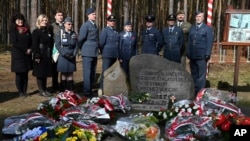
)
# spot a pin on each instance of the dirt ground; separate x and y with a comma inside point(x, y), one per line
point(11, 104)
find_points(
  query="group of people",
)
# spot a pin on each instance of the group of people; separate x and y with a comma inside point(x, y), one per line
point(179, 40)
point(34, 50)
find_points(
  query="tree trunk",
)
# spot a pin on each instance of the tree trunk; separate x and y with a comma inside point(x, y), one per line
point(76, 15)
point(171, 6)
point(83, 11)
point(33, 16)
point(23, 8)
point(126, 11)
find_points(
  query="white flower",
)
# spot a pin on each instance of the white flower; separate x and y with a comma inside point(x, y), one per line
point(165, 115)
point(189, 110)
point(183, 110)
point(159, 113)
point(186, 105)
point(170, 114)
point(176, 109)
point(195, 107)
point(197, 112)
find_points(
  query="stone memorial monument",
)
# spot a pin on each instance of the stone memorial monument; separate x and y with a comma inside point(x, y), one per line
point(161, 78)
point(115, 82)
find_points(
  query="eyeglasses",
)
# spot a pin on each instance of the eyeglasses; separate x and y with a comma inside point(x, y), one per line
point(112, 21)
point(69, 24)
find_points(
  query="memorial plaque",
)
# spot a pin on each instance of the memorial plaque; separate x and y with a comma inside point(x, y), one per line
point(114, 82)
point(161, 78)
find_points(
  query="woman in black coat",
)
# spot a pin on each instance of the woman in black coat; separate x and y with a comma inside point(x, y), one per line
point(21, 59)
point(42, 43)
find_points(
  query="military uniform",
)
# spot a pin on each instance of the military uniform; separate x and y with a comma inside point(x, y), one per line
point(109, 46)
point(185, 26)
point(151, 38)
point(200, 43)
point(88, 43)
point(127, 48)
point(173, 40)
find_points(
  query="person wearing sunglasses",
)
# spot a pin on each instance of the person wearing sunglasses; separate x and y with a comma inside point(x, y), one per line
point(109, 46)
point(66, 44)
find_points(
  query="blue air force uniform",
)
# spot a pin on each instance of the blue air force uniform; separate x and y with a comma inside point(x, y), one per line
point(67, 47)
point(200, 43)
point(173, 42)
point(88, 43)
point(109, 46)
point(151, 38)
point(127, 48)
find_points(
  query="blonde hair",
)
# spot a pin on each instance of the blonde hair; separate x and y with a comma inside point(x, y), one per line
point(39, 20)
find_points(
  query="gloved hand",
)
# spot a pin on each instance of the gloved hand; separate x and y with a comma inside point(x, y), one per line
point(207, 57)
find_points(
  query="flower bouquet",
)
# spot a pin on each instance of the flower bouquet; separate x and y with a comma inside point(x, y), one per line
point(77, 131)
point(55, 106)
point(180, 108)
point(138, 128)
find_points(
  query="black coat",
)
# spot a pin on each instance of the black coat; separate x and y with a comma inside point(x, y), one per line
point(21, 42)
point(42, 43)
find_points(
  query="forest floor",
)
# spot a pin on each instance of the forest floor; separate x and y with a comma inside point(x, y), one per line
point(11, 104)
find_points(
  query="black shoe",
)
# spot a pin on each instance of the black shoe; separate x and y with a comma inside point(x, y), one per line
point(21, 94)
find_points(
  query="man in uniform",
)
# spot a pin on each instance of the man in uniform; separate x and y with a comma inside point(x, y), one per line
point(109, 46)
point(200, 43)
point(185, 27)
point(88, 43)
point(151, 37)
point(173, 40)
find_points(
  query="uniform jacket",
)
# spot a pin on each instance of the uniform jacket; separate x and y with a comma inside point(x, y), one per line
point(88, 39)
point(66, 43)
point(200, 42)
point(21, 42)
point(42, 43)
point(128, 45)
point(109, 43)
point(173, 42)
point(151, 41)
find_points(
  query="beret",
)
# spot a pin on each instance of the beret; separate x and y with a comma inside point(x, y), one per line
point(150, 18)
point(90, 10)
point(111, 18)
point(68, 19)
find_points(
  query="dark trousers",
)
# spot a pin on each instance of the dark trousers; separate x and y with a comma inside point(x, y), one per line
point(89, 72)
point(198, 72)
point(55, 84)
point(22, 81)
point(106, 63)
point(125, 66)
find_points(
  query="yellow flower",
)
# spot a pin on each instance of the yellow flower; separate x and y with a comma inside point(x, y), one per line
point(71, 138)
point(80, 133)
point(61, 130)
point(92, 138)
point(43, 136)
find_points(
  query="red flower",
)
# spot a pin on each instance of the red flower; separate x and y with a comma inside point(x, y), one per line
point(226, 125)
